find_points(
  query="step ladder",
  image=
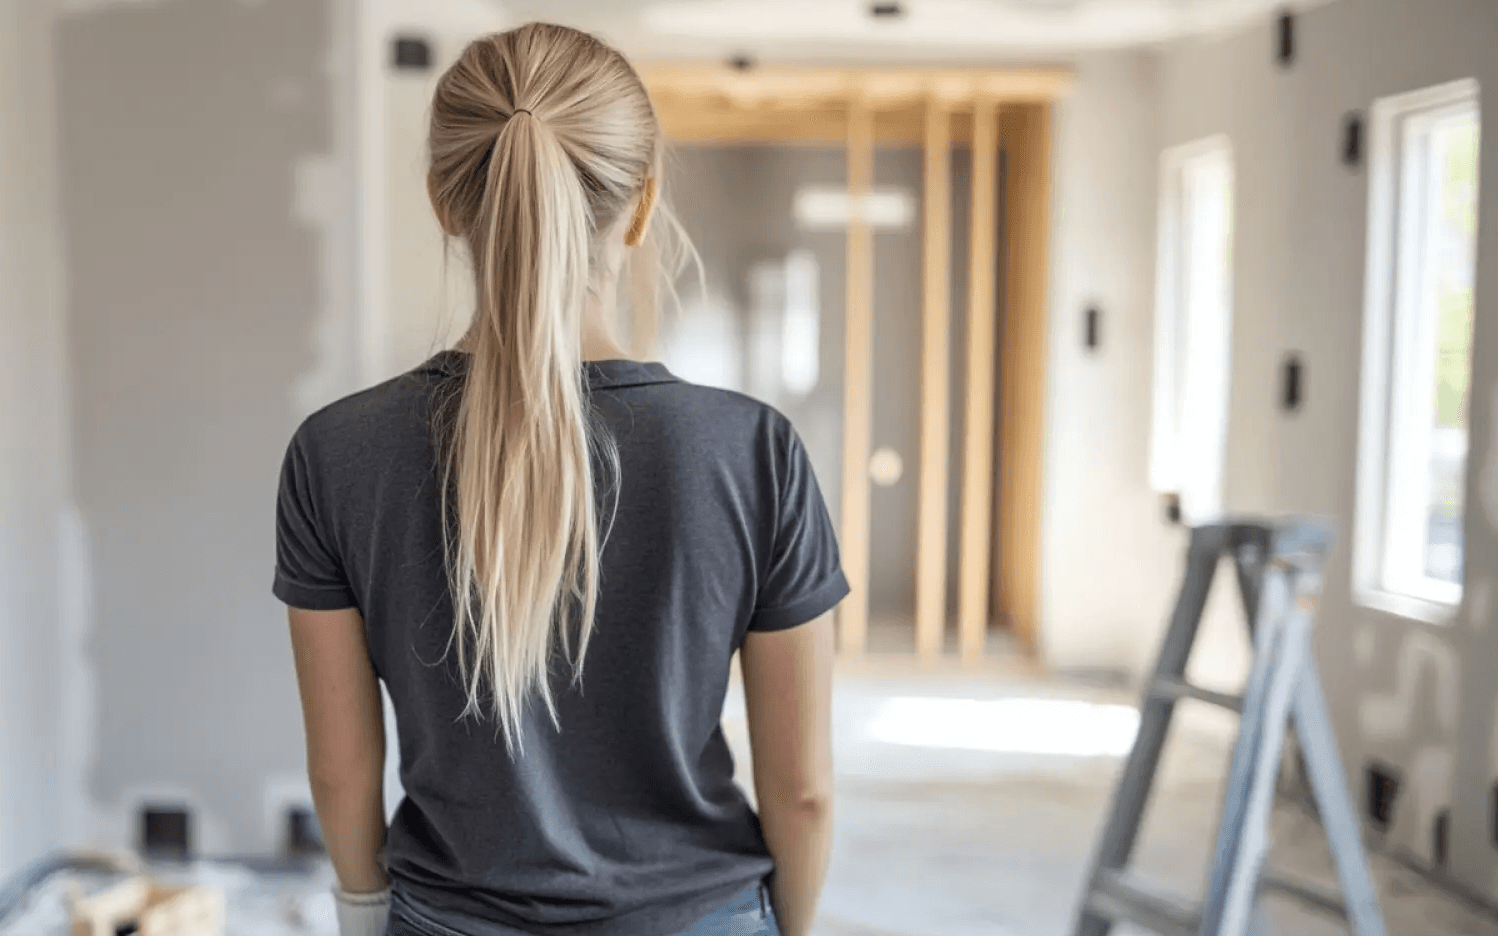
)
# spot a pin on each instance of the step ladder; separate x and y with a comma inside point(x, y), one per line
point(1279, 569)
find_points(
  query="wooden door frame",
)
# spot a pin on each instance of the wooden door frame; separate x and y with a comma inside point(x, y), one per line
point(860, 108)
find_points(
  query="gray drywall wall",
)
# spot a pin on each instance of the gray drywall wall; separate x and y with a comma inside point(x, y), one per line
point(1416, 697)
point(39, 724)
point(206, 289)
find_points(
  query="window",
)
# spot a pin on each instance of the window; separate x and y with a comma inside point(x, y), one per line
point(800, 355)
point(1417, 351)
point(784, 358)
point(1193, 326)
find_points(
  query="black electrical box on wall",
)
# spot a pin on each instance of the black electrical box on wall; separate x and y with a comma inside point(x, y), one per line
point(1285, 47)
point(302, 834)
point(411, 53)
point(1381, 788)
point(1293, 390)
point(1352, 140)
point(166, 832)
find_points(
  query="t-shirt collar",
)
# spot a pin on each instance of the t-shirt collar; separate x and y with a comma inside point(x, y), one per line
point(601, 375)
point(613, 374)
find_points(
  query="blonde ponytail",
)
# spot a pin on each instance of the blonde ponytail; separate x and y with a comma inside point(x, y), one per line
point(541, 137)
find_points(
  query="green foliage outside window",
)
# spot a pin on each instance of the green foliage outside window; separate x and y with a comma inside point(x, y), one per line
point(1454, 337)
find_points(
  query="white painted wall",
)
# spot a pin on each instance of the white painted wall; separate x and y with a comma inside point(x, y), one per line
point(1099, 513)
point(416, 293)
point(41, 569)
point(428, 287)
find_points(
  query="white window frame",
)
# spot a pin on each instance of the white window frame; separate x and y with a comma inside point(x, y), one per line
point(1196, 477)
point(1385, 418)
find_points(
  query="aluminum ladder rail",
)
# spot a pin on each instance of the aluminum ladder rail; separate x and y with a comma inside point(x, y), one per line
point(1279, 569)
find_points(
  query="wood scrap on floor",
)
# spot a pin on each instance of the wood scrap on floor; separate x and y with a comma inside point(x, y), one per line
point(145, 908)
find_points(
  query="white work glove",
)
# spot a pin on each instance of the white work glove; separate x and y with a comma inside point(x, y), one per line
point(362, 914)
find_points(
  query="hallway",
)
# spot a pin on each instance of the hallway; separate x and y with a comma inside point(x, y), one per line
point(1042, 286)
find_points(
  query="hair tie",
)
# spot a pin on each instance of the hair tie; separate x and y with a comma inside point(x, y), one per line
point(520, 110)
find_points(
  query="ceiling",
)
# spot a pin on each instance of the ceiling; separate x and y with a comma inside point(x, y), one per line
point(923, 30)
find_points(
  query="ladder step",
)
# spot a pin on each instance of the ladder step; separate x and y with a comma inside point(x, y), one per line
point(1118, 896)
point(1178, 688)
point(1315, 897)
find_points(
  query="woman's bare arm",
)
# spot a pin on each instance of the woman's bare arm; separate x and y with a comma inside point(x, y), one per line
point(788, 694)
point(345, 724)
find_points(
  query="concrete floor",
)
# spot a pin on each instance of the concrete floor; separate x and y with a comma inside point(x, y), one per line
point(994, 839)
point(980, 828)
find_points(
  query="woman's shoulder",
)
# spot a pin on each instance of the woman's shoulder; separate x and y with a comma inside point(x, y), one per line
point(717, 411)
point(395, 412)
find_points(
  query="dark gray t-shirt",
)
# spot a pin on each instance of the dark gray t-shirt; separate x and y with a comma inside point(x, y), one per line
point(627, 821)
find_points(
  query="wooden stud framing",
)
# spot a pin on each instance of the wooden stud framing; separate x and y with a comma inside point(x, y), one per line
point(936, 312)
point(934, 107)
point(974, 571)
point(684, 122)
point(711, 85)
point(1022, 370)
point(152, 909)
point(858, 387)
point(703, 102)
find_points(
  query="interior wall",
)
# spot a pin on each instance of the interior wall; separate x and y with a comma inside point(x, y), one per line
point(204, 171)
point(1101, 522)
point(1416, 697)
point(40, 727)
point(425, 282)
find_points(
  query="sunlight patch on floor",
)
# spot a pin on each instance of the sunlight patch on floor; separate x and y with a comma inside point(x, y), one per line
point(1058, 727)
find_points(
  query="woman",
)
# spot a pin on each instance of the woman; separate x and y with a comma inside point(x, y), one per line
point(590, 510)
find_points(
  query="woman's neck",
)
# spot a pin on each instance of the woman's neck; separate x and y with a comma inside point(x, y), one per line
point(598, 342)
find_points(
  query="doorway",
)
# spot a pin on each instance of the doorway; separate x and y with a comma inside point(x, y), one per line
point(936, 354)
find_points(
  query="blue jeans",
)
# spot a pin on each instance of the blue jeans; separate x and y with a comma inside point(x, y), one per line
point(748, 914)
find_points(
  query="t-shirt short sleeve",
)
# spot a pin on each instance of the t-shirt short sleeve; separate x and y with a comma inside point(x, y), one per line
point(804, 579)
point(309, 573)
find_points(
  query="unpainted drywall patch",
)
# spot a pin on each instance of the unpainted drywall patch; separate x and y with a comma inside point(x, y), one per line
point(1388, 716)
point(1425, 793)
point(1479, 603)
point(1364, 645)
